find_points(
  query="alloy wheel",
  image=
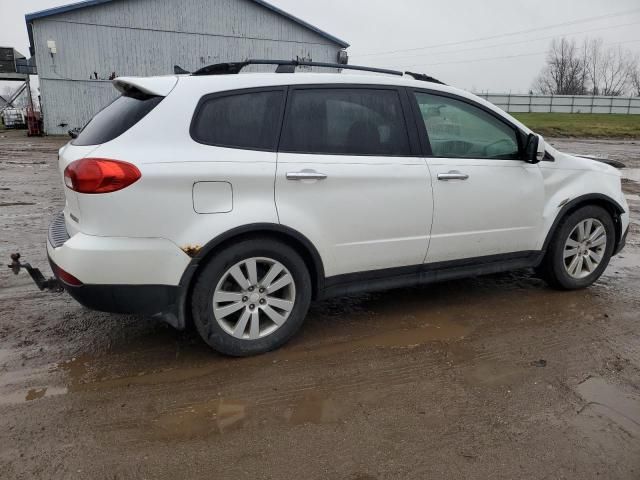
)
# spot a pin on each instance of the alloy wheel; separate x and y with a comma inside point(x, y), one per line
point(254, 298)
point(585, 248)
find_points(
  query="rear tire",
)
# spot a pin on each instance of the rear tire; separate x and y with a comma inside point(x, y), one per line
point(251, 298)
point(580, 249)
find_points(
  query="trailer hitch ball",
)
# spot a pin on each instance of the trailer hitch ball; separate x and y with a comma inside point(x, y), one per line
point(15, 263)
point(51, 283)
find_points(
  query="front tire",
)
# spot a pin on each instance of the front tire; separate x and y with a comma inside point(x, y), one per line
point(251, 298)
point(580, 250)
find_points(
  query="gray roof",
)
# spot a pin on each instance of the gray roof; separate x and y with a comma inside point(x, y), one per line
point(89, 3)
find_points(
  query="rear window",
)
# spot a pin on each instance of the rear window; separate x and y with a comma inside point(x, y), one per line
point(116, 118)
point(244, 120)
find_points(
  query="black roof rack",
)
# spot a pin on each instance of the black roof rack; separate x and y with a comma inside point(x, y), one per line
point(424, 78)
point(289, 66)
point(236, 67)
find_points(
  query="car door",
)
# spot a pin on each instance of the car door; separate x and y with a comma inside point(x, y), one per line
point(487, 201)
point(350, 177)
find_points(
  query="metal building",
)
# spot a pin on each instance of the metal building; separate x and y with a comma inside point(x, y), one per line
point(78, 47)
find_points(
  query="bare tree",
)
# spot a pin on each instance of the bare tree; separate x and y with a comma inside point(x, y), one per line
point(565, 70)
point(610, 70)
point(635, 81)
point(593, 56)
point(591, 69)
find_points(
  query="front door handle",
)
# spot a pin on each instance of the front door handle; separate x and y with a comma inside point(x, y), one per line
point(453, 175)
point(306, 175)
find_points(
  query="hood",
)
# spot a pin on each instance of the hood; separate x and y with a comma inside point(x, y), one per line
point(572, 161)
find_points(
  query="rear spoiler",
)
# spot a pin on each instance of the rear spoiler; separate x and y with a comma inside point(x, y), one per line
point(160, 86)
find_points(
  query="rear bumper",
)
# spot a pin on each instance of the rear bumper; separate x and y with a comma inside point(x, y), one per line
point(121, 275)
point(160, 301)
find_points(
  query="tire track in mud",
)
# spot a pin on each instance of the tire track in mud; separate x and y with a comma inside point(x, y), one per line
point(544, 341)
point(442, 371)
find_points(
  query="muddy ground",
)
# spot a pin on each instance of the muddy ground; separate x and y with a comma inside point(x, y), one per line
point(494, 377)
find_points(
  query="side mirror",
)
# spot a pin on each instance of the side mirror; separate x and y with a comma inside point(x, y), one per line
point(74, 132)
point(534, 150)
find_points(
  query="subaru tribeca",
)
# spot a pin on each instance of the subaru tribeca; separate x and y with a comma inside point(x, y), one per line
point(234, 200)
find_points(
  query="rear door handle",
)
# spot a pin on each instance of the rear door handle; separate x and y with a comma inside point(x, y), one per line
point(306, 175)
point(453, 175)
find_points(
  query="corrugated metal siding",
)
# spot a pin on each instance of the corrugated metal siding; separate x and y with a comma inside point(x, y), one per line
point(148, 37)
point(70, 104)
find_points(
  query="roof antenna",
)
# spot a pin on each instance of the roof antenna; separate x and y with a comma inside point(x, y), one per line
point(178, 70)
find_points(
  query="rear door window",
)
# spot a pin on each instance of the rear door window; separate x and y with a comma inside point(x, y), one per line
point(342, 121)
point(116, 118)
point(241, 120)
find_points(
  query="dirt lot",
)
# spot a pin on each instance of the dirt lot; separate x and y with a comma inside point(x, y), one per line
point(495, 377)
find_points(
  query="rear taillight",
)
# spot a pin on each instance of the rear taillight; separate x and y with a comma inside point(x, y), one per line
point(100, 175)
point(65, 277)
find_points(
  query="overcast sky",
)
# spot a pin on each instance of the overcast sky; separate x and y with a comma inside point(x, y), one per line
point(456, 33)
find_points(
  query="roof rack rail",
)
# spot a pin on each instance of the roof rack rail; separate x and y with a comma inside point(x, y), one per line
point(289, 66)
point(236, 67)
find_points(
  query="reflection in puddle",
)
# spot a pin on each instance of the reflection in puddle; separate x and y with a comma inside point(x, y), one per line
point(214, 417)
point(222, 416)
point(314, 410)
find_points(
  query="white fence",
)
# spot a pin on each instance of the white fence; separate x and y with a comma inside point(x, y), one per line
point(563, 103)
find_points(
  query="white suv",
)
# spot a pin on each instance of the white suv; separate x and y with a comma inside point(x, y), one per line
point(233, 200)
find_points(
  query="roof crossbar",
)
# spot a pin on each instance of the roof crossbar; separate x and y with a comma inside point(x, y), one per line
point(289, 66)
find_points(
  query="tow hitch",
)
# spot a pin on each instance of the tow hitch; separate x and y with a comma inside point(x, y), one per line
point(36, 275)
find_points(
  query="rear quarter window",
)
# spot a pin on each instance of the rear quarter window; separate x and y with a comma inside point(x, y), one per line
point(116, 118)
point(248, 120)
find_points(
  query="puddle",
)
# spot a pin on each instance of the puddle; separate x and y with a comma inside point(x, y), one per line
point(76, 370)
point(217, 416)
point(159, 365)
point(223, 416)
point(398, 338)
point(22, 396)
point(25, 384)
point(610, 401)
point(312, 410)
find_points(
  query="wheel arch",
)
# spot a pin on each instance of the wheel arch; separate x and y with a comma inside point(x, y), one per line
point(287, 235)
point(598, 199)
